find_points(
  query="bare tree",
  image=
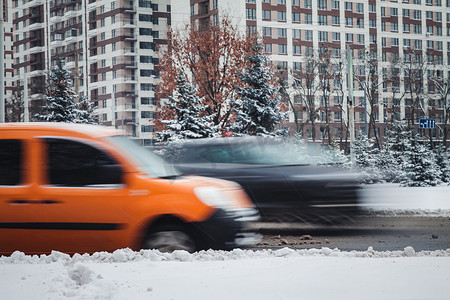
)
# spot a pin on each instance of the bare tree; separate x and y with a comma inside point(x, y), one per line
point(15, 106)
point(306, 88)
point(415, 69)
point(442, 85)
point(367, 77)
point(326, 75)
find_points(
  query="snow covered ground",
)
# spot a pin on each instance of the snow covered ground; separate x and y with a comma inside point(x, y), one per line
point(245, 274)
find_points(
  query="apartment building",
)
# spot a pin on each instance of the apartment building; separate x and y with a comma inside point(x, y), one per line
point(109, 46)
point(390, 30)
point(8, 52)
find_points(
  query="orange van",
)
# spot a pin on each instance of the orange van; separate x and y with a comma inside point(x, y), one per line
point(84, 188)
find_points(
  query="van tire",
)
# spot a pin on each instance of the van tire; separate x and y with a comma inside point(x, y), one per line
point(168, 238)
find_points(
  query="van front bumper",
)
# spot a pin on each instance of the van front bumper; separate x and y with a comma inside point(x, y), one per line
point(228, 229)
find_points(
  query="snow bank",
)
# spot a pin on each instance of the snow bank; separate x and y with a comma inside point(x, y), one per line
point(127, 255)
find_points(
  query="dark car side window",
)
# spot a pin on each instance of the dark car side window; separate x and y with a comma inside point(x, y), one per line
point(75, 164)
point(11, 162)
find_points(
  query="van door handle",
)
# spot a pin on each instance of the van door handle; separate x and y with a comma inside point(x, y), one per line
point(48, 202)
point(21, 201)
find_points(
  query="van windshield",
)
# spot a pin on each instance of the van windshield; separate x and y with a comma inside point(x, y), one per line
point(147, 162)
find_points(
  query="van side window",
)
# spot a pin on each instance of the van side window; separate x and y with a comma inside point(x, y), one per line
point(71, 163)
point(11, 162)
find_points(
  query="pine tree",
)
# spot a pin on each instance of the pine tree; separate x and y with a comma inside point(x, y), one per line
point(84, 111)
point(60, 97)
point(421, 166)
point(187, 121)
point(257, 109)
point(393, 160)
point(365, 158)
point(443, 161)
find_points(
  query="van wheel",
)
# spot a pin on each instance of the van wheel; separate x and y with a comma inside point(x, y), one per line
point(168, 239)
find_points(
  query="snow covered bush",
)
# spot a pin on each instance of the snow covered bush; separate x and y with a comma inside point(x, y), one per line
point(421, 166)
point(187, 118)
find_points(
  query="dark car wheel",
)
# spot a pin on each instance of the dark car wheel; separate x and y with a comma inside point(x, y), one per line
point(169, 238)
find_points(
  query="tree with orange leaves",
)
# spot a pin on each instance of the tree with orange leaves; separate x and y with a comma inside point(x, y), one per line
point(212, 58)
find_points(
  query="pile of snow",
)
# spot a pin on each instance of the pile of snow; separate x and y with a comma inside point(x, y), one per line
point(239, 274)
point(391, 199)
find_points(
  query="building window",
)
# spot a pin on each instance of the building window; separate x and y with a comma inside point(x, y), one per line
point(296, 33)
point(282, 49)
point(335, 20)
point(335, 4)
point(323, 36)
point(266, 15)
point(251, 14)
point(308, 4)
point(417, 14)
point(360, 39)
point(336, 36)
point(146, 87)
point(295, 17)
point(360, 8)
point(406, 27)
point(348, 21)
point(349, 37)
point(322, 4)
point(267, 48)
point(147, 128)
point(394, 42)
point(282, 32)
point(394, 26)
point(281, 16)
point(308, 18)
point(297, 50)
point(308, 35)
point(349, 6)
point(322, 20)
point(360, 23)
point(267, 31)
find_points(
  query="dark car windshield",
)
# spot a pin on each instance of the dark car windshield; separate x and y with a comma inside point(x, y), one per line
point(259, 153)
point(147, 162)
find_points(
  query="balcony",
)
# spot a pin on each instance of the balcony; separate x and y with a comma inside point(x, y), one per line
point(34, 3)
point(131, 65)
point(36, 73)
point(130, 9)
point(70, 36)
point(92, 32)
point(35, 50)
point(130, 107)
point(129, 79)
point(56, 19)
point(130, 37)
point(70, 14)
point(129, 51)
point(129, 24)
point(70, 65)
point(36, 26)
point(92, 6)
point(93, 59)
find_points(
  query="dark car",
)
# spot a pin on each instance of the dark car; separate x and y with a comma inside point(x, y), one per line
point(285, 182)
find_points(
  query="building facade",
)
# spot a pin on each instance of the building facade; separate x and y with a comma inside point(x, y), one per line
point(388, 40)
point(109, 46)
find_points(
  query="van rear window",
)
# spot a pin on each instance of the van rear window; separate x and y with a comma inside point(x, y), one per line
point(11, 162)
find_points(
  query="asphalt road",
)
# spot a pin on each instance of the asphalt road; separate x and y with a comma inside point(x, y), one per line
point(382, 233)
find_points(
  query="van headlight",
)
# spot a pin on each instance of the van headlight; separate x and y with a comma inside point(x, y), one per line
point(215, 197)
